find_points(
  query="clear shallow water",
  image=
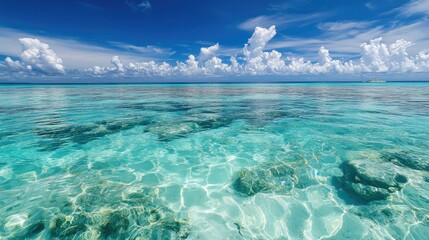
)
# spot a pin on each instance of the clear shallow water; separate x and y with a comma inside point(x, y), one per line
point(275, 161)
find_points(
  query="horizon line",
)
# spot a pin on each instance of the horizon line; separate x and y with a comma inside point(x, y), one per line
point(211, 82)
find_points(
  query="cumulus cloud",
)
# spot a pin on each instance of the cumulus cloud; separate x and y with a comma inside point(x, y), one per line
point(16, 64)
point(379, 57)
point(258, 41)
point(253, 59)
point(256, 60)
point(117, 63)
point(376, 56)
point(36, 56)
point(208, 52)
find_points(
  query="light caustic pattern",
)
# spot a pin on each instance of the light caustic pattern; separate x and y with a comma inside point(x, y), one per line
point(233, 161)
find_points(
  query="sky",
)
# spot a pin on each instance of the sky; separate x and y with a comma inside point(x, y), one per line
point(197, 40)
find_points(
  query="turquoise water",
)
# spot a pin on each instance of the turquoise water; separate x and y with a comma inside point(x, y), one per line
point(234, 161)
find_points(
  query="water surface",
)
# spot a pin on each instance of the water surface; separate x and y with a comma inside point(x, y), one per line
point(232, 161)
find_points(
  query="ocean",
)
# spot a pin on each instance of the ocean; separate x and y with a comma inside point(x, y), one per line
point(215, 161)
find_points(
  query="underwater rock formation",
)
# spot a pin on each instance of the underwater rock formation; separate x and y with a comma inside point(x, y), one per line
point(103, 211)
point(170, 130)
point(213, 123)
point(133, 218)
point(165, 106)
point(24, 226)
point(54, 132)
point(272, 177)
point(370, 181)
point(55, 138)
point(406, 160)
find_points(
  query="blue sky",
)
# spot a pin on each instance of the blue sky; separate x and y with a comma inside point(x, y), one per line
point(156, 38)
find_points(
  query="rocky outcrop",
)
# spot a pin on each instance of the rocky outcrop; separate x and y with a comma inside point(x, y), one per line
point(272, 177)
point(370, 181)
point(406, 160)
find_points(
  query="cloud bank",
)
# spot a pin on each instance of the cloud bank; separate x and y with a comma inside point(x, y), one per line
point(36, 56)
point(252, 59)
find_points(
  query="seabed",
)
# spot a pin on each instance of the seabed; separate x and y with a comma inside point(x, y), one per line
point(232, 161)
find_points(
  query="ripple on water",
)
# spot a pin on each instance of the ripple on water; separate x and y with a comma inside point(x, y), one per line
point(218, 162)
point(103, 210)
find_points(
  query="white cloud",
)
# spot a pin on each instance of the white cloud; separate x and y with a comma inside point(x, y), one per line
point(376, 56)
point(148, 68)
point(144, 5)
point(139, 5)
point(341, 26)
point(258, 41)
point(370, 5)
point(215, 66)
point(149, 51)
point(208, 52)
point(255, 58)
point(36, 56)
point(117, 63)
point(415, 7)
point(73, 51)
point(189, 67)
point(279, 20)
point(16, 65)
point(346, 43)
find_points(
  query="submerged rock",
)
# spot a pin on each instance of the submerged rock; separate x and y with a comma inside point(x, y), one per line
point(370, 181)
point(55, 133)
point(272, 177)
point(63, 226)
point(55, 137)
point(172, 130)
point(24, 225)
point(368, 192)
point(213, 123)
point(139, 218)
point(165, 106)
point(406, 160)
point(104, 211)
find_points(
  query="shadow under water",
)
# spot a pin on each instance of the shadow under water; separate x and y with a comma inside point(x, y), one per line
point(55, 137)
point(55, 132)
